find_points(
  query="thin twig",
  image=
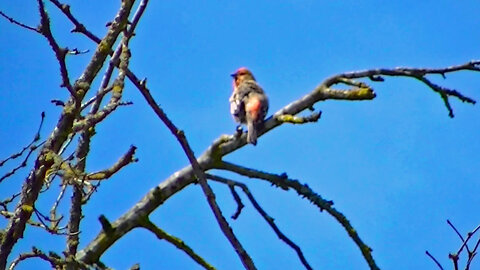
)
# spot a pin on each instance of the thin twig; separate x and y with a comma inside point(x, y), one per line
point(41, 225)
point(53, 211)
point(178, 243)
point(458, 233)
point(80, 28)
point(12, 20)
point(60, 53)
point(31, 222)
point(5, 202)
point(237, 198)
point(126, 159)
point(23, 164)
point(435, 260)
point(469, 235)
point(30, 145)
point(472, 255)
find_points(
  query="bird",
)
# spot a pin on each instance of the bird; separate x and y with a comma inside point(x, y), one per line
point(248, 102)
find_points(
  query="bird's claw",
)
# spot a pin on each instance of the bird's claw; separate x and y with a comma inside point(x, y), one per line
point(239, 131)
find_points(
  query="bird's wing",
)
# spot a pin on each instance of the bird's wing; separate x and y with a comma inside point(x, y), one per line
point(236, 107)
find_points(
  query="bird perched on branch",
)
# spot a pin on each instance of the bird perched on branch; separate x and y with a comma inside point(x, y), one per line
point(248, 103)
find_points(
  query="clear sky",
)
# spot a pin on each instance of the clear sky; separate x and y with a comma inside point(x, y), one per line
point(398, 167)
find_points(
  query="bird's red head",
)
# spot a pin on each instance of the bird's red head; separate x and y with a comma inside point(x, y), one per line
point(240, 75)
point(241, 71)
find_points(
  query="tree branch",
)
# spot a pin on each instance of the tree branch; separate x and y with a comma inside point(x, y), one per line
point(60, 53)
point(458, 233)
point(12, 20)
point(9, 215)
point(416, 73)
point(29, 146)
point(265, 216)
point(53, 210)
point(95, 117)
point(83, 150)
point(126, 159)
point(80, 28)
point(236, 197)
point(55, 263)
point(5, 202)
point(177, 242)
point(54, 143)
point(434, 260)
point(226, 144)
point(288, 118)
point(22, 164)
point(456, 256)
point(305, 191)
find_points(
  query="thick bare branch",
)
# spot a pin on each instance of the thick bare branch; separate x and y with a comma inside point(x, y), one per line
point(288, 118)
point(95, 117)
point(155, 197)
point(83, 150)
point(73, 239)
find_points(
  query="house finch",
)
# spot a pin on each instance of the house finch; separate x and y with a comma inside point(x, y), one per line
point(248, 103)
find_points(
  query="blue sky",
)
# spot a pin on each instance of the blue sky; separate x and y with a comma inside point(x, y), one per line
point(397, 166)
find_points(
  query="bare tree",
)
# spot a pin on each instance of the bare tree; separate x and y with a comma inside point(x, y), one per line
point(81, 116)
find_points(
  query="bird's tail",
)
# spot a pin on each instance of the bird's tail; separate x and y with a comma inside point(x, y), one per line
point(251, 133)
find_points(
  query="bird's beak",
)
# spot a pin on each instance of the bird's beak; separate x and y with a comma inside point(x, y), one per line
point(234, 74)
